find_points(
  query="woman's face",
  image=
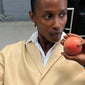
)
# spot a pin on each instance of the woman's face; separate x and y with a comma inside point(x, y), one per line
point(50, 18)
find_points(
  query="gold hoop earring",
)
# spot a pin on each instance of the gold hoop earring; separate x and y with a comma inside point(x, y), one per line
point(34, 25)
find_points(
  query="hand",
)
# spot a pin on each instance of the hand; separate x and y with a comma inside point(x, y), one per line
point(80, 58)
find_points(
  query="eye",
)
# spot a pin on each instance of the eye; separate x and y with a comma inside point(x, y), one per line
point(61, 15)
point(48, 16)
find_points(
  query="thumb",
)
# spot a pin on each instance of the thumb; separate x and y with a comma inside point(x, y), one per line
point(82, 42)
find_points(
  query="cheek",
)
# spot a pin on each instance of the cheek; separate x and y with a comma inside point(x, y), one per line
point(46, 23)
point(43, 25)
point(44, 29)
point(63, 22)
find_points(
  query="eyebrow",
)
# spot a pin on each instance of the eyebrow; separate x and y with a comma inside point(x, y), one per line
point(47, 11)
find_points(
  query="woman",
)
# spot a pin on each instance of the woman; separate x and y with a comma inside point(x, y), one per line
point(38, 61)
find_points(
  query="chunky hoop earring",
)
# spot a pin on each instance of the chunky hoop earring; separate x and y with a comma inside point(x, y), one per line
point(34, 25)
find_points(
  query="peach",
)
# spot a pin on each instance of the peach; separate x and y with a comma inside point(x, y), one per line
point(71, 46)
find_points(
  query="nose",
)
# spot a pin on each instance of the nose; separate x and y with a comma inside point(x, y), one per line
point(56, 23)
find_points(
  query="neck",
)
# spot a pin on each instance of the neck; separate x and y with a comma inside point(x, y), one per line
point(45, 44)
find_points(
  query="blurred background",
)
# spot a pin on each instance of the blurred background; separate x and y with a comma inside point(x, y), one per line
point(15, 23)
point(11, 10)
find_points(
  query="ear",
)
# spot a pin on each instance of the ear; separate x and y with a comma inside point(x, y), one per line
point(32, 16)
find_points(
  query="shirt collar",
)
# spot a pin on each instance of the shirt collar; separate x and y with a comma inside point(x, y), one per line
point(33, 38)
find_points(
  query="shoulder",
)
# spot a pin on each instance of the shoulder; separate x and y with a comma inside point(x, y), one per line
point(13, 48)
point(14, 45)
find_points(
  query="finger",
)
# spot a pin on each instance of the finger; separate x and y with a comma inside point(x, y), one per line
point(71, 35)
point(82, 43)
point(62, 41)
point(74, 35)
point(67, 57)
point(65, 36)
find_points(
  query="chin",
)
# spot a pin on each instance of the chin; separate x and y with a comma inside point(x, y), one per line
point(56, 40)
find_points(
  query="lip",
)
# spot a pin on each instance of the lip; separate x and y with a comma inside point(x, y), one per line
point(56, 34)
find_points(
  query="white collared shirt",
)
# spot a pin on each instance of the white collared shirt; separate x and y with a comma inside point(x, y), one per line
point(34, 38)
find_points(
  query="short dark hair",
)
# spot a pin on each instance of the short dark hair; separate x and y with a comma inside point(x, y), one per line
point(33, 5)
